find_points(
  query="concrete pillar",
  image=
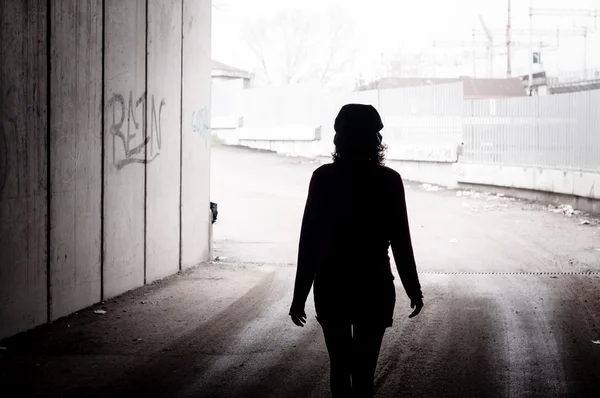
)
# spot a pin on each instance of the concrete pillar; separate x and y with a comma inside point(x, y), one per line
point(23, 165)
point(125, 144)
point(75, 155)
point(164, 135)
point(195, 130)
point(104, 150)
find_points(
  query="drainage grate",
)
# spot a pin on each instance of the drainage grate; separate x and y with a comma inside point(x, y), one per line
point(251, 263)
point(258, 264)
point(509, 273)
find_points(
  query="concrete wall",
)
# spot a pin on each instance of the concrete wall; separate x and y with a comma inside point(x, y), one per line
point(297, 132)
point(438, 173)
point(23, 165)
point(75, 155)
point(195, 130)
point(577, 188)
point(288, 148)
point(423, 152)
point(566, 182)
point(104, 150)
point(164, 146)
point(580, 189)
point(125, 139)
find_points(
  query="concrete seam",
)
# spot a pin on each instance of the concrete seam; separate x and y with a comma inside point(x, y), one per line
point(102, 151)
point(146, 149)
point(181, 147)
point(48, 153)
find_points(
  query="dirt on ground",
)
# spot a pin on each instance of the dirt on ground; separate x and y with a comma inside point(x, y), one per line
point(511, 306)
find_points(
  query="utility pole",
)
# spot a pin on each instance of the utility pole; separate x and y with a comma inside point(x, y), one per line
point(585, 53)
point(490, 46)
point(530, 81)
point(508, 44)
point(555, 12)
point(474, 59)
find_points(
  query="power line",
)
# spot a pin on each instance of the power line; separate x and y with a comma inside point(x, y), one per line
point(563, 12)
point(508, 43)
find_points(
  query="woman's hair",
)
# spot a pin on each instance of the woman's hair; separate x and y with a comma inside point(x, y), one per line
point(357, 137)
point(373, 153)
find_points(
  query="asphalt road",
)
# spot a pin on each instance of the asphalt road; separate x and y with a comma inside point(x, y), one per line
point(511, 293)
point(511, 306)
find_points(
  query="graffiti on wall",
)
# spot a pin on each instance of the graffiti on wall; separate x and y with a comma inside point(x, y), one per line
point(200, 120)
point(132, 142)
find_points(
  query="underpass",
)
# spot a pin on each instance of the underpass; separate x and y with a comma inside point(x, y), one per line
point(113, 281)
point(510, 305)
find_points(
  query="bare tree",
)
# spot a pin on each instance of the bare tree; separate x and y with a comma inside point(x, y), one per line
point(256, 37)
point(295, 29)
point(293, 47)
point(339, 51)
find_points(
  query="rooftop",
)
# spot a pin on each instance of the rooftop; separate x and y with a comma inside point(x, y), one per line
point(220, 69)
point(473, 88)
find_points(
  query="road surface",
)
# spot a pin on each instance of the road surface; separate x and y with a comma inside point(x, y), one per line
point(511, 306)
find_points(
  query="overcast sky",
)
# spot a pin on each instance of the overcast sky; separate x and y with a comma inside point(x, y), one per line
point(387, 27)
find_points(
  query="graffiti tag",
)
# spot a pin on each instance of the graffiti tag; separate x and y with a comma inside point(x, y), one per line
point(200, 120)
point(128, 129)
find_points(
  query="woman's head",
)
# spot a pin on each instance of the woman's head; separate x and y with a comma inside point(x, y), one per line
point(357, 136)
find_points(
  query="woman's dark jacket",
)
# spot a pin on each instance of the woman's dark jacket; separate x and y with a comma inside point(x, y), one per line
point(354, 212)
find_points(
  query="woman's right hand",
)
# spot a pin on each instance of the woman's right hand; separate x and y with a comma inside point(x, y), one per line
point(417, 304)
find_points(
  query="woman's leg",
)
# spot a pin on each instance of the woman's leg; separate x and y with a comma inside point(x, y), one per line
point(339, 345)
point(366, 343)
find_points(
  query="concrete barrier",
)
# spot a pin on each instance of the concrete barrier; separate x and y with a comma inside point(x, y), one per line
point(578, 188)
point(420, 152)
point(308, 132)
point(125, 145)
point(439, 173)
point(289, 148)
point(75, 158)
point(440, 164)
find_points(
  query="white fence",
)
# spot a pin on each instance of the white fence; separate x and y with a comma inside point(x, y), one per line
point(421, 123)
point(558, 131)
point(429, 123)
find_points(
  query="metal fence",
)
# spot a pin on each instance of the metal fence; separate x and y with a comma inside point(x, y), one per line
point(558, 131)
point(430, 114)
point(428, 123)
point(574, 77)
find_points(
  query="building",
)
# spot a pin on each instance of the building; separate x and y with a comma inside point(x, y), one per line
point(224, 72)
point(472, 88)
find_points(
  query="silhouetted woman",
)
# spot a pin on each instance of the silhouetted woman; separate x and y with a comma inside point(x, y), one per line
point(355, 210)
